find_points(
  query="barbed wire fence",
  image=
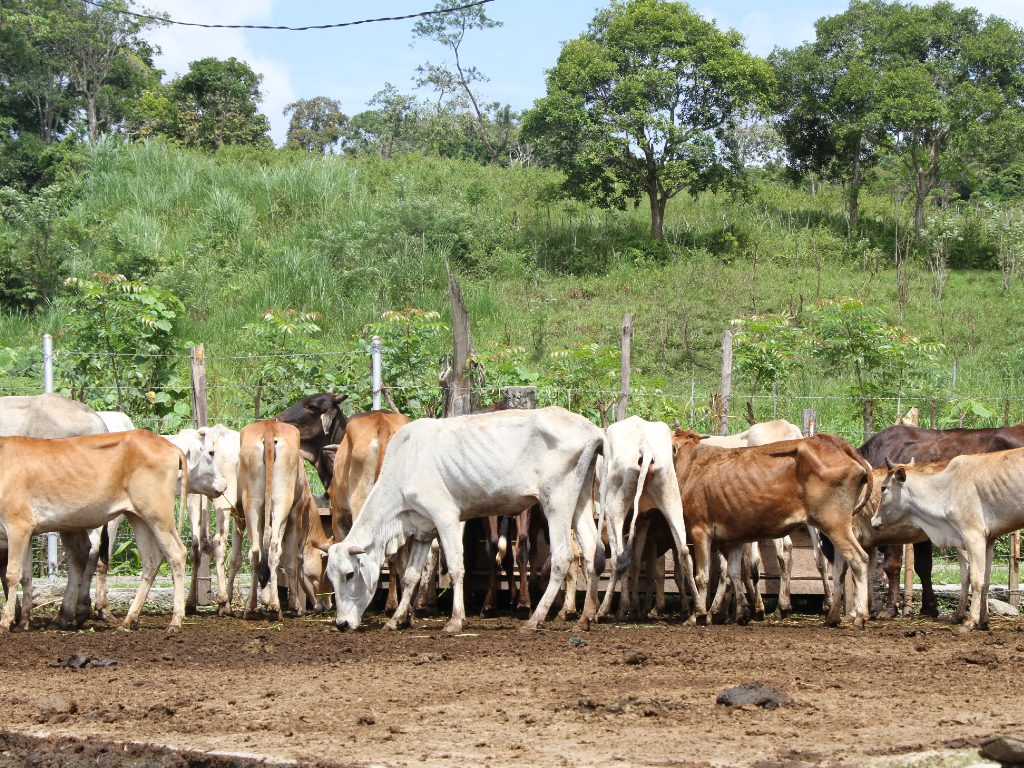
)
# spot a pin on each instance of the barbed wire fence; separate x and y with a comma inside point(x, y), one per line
point(696, 402)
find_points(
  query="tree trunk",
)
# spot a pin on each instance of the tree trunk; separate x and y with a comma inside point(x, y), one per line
point(657, 215)
point(855, 181)
point(90, 111)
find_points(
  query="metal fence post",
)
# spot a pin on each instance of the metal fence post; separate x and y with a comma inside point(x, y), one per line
point(51, 538)
point(375, 367)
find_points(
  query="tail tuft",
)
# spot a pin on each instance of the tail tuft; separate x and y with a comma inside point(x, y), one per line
point(502, 549)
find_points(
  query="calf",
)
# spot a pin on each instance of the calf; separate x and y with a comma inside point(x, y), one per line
point(81, 483)
point(967, 504)
point(440, 472)
point(737, 495)
point(272, 493)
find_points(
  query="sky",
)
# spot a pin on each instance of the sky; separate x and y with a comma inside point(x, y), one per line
point(351, 64)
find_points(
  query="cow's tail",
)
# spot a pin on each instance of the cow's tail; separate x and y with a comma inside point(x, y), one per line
point(105, 546)
point(599, 547)
point(182, 495)
point(502, 547)
point(646, 459)
point(269, 451)
point(869, 485)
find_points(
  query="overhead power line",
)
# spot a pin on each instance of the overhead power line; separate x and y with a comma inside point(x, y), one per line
point(152, 17)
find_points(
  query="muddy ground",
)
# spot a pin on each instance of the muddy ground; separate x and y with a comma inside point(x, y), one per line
point(626, 695)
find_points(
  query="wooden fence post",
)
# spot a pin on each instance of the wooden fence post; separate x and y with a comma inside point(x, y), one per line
point(197, 366)
point(908, 579)
point(810, 425)
point(624, 370)
point(723, 419)
point(869, 418)
point(457, 382)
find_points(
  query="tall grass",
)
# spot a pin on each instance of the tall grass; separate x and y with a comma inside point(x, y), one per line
point(245, 230)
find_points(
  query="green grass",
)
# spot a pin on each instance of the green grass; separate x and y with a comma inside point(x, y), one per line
point(244, 230)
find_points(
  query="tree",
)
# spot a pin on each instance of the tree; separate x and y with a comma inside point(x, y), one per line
point(828, 100)
point(455, 82)
point(390, 128)
point(216, 104)
point(316, 125)
point(642, 104)
point(91, 41)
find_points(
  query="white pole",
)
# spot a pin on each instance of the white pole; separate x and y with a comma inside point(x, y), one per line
point(51, 538)
point(375, 364)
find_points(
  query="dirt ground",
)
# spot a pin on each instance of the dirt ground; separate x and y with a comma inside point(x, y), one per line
point(618, 695)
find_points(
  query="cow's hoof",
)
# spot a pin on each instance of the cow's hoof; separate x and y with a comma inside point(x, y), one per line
point(931, 610)
point(530, 626)
point(390, 608)
point(759, 615)
point(174, 629)
point(858, 622)
point(453, 627)
point(523, 612)
point(718, 618)
point(966, 628)
point(273, 615)
point(585, 622)
point(887, 613)
point(190, 610)
point(4, 630)
point(832, 621)
point(784, 613)
point(225, 610)
point(743, 620)
point(701, 619)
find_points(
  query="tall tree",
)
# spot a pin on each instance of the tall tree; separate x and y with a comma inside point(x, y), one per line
point(392, 126)
point(643, 103)
point(828, 100)
point(216, 103)
point(316, 124)
point(456, 81)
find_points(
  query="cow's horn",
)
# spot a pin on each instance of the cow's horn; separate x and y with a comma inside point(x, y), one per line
point(888, 464)
point(355, 550)
point(325, 548)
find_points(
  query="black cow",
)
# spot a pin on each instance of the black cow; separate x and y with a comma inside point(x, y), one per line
point(320, 422)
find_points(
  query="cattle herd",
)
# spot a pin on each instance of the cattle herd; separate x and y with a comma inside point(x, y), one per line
point(403, 491)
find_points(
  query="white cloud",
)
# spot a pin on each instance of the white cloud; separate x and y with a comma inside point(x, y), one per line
point(180, 45)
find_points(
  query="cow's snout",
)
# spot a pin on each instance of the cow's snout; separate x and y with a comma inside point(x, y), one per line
point(342, 625)
point(876, 523)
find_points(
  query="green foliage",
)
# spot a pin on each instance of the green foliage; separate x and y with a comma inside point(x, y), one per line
point(413, 342)
point(216, 103)
point(118, 349)
point(766, 349)
point(643, 103)
point(316, 124)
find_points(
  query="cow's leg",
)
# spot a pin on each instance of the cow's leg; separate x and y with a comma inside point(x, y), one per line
point(736, 553)
point(923, 569)
point(822, 564)
point(196, 502)
point(568, 609)
point(751, 576)
point(722, 590)
point(965, 587)
point(26, 590)
point(784, 556)
point(561, 555)
point(220, 537)
point(493, 560)
point(629, 592)
point(845, 542)
point(417, 558)
point(701, 566)
point(149, 553)
point(426, 595)
point(523, 558)
point(252, 531)
point(394, 565)
point(291, 564)
point(588, 538)
point(976, 558)
point(237, 552)
point(451, 545)
point(685, 597)
point(989, 552)
point(77, 547)
point(19, 548)
point(655, 604)
point(615, 547)
point(99, 563)
point(892, 564)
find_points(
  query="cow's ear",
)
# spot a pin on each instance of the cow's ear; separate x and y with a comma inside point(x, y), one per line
point(325, 421)
point(339, 399)
point(192, 457)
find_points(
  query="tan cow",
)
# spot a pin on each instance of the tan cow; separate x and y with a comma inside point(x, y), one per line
point(357, 465)
point(272, 494)
point(81, 483)
point(736, 495)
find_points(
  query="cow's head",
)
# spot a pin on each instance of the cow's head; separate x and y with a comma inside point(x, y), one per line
point(317, 417)
point(891, 507)
point(353, 573)
point(204, 471)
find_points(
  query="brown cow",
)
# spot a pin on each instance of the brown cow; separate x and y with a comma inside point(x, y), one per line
point(737, 495)
point(81, 483)
point(273, 493)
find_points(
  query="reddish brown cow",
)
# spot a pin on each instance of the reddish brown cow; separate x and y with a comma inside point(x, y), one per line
point(736, 495)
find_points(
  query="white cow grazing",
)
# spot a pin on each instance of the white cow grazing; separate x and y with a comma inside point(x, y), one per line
point(225, 443)
point(967, 505)
point(640, 474)
point(438, 473)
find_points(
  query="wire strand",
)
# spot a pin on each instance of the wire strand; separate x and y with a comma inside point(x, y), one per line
point(337, 25)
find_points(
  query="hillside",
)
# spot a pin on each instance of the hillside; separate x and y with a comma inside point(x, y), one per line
point(242, 231)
